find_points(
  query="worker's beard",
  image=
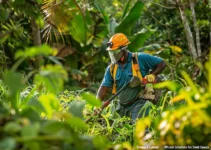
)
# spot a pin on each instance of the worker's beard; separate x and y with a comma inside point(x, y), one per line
point(116, 57)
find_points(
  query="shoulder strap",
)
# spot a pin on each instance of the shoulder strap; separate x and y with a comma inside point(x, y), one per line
point(113, 70)
point(135, 69)
point(135, 66)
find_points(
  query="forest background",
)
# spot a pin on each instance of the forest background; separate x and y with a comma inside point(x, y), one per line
point(53, 58)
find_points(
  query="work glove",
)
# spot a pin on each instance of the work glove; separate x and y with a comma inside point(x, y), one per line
point(150, 78)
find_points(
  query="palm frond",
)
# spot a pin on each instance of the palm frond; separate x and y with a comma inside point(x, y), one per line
point(57, 18)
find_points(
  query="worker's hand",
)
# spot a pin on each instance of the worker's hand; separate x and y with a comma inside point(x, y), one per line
point(97, 111)
point(150, 78)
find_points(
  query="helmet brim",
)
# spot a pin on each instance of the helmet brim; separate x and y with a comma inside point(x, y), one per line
point(114, 48)
point(109, 49)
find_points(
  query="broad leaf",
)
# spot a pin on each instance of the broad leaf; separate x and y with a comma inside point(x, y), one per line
point(52, 127)
point(12, 127)
point(77, 123)
point(150, 49)
point(127, 24)
point(173, 86)
point(126, 9)
point(104, 14)
point(31, 114)
point(137, 41)
point(77, 26)
point(30, 130)
point(7, 143)
point(50, 104)
point(52, 77)
point(4, 14)
point(36, 105)
point(15, 83)
point(78, 29)
point(76, 108)
point(91, 99)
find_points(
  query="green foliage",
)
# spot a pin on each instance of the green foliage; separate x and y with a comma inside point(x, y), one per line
point(42, 120)
point(184, 124)
point(127, 24)
point(90, 98)
point(44, 50)
point(39, 111)
point(52, 77)
point(11, 28)
point(50, 104)
point(129, 21)
point(13, 92)
point(7, 144)
point(149, 48)
point(85, 29)
point(137, 41)
point(4, 13)
point(76, 108)
point(49, 118)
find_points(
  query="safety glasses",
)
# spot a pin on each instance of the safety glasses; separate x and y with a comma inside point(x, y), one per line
point(109, 44)
point(114, 51)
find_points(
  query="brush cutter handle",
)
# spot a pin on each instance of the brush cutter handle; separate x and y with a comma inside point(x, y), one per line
point(105, 104)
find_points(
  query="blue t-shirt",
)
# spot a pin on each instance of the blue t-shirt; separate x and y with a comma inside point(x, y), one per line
point(124, 74)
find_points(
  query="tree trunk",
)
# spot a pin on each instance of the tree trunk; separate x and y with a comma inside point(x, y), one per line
point(35, 33)
point(37, 42)
point(198, 45)
point(188, 32)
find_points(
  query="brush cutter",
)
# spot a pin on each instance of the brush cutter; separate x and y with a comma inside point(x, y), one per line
point(135, 81)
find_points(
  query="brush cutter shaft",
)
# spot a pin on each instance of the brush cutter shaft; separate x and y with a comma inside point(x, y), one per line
point(107, 102)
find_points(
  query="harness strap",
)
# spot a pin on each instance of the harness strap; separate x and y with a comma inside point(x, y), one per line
point(135, 71)
point(113, 70)
point(135, 66)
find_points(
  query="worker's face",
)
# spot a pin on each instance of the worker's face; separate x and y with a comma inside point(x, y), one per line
point(115, 55)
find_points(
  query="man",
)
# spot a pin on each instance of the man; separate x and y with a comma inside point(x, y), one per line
point(129, 104)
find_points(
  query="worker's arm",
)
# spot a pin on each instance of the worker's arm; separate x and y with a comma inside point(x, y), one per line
point(159, 68)
point(105, 85)
point(102, 91)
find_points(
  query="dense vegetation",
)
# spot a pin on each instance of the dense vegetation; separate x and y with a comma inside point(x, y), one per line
point(53, 58)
